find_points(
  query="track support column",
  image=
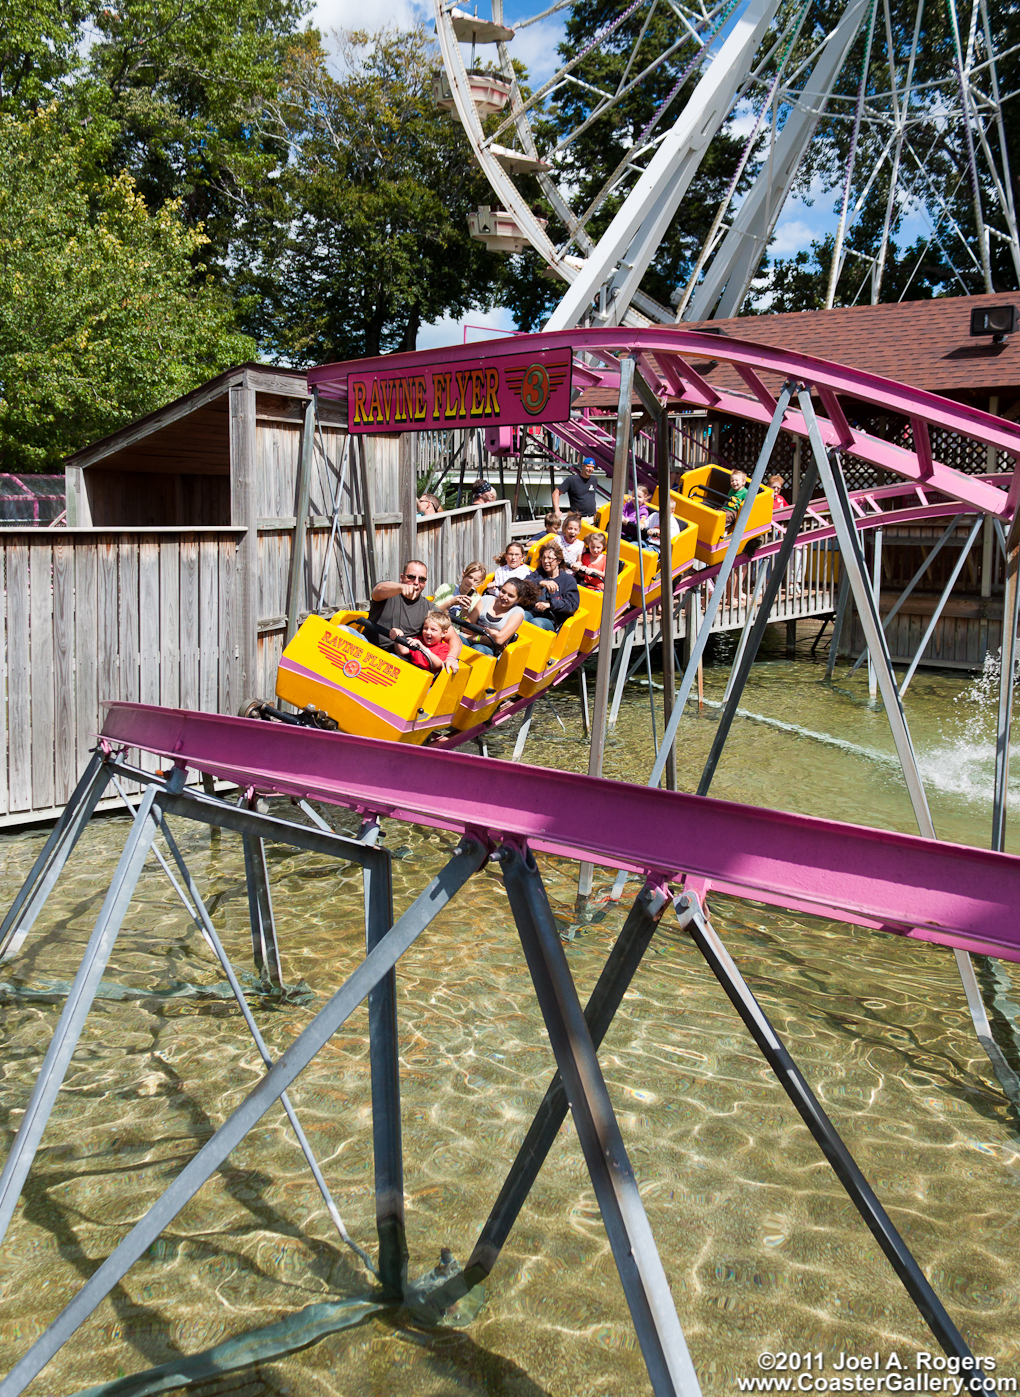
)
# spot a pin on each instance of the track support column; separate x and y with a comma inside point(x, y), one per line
point(617, 973)
point(385, 1062)
point(644, 1280)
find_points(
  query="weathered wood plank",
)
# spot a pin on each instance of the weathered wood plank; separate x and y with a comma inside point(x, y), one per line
point(208, 626)
point(189, 624)
point(86, 646)
point(148, 621)
point(244, 511)
point(40, 564)
point(19, 697)
point(129, 619)
point(108, 613)
point(230, 695)
point(66, 763)
point(170, 623)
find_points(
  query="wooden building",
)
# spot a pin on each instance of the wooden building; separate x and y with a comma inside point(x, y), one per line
point(173, 582)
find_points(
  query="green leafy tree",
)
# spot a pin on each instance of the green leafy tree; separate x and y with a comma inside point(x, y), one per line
point(104, 315)
point(378, 190)
point(182, 89)
point(39, 51)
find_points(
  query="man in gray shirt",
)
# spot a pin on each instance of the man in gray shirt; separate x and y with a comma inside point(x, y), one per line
point(401, 607)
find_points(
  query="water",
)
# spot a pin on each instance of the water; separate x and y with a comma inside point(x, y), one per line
point(762, 1249)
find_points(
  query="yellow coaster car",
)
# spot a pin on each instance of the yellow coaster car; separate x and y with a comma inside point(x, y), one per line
point(702, 501)
point(683, 543)
point(331, 667)
point(365, 689)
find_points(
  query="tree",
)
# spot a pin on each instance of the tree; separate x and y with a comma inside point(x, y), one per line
point(104, 314)
point(39, 50)
point(183, 88)
point(379, 189)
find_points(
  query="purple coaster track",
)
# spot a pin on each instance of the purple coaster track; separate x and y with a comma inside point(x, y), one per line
point(949, 894)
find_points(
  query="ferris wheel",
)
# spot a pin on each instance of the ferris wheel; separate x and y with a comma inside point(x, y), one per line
point(916, 135)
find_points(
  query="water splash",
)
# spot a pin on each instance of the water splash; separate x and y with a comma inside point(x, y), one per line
point(963, 763)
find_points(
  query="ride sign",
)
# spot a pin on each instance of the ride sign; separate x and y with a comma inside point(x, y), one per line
point(498, 390)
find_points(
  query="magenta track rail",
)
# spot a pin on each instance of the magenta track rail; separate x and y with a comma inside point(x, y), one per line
point(665, 358)
point(948, 894)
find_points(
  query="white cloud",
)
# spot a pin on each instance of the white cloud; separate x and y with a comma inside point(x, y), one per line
point(792, 235)
point(478, 325)
point(328, 15)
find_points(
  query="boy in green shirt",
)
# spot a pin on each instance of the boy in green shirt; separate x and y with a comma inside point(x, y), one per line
point(736, 497)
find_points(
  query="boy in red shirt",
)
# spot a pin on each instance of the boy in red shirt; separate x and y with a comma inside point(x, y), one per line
point(432, 651)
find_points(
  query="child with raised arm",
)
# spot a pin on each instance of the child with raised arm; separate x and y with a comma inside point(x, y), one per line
point(736, 497)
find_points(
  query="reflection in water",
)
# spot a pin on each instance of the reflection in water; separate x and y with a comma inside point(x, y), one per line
point(763, 1251)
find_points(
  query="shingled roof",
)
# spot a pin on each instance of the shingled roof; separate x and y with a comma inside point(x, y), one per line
point(924, 343)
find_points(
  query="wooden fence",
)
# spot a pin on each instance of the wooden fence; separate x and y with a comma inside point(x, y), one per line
point(146, 616)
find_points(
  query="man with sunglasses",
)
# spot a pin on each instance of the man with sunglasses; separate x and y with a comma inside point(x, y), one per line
point(400, 609)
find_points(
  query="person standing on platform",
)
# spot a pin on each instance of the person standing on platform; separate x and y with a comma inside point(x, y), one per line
point(400, 609)
point(579, 491)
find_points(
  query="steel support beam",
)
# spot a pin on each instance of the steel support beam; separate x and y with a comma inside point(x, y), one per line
point(852, 563)
point(837, 624)
point(722, 578)
point(75, 1011)
point(337, 1010)
point(384, 1052)
point(265, 950)
point(522, 733)
point(198, 909)
point(746, 655)
point(876, 589)
point(662, 466)
point(936, 615)
point(745, 630)
point(53, 856)
point(617, 973)
point(644, 1280)
point(925, 565)
point(297, 557)
point(1007, 666)
point(867, 606)
point(607, 622)
point(623, 671)
point(708, 942)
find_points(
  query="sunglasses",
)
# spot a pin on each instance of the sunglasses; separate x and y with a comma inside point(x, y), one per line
point(416, 576)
